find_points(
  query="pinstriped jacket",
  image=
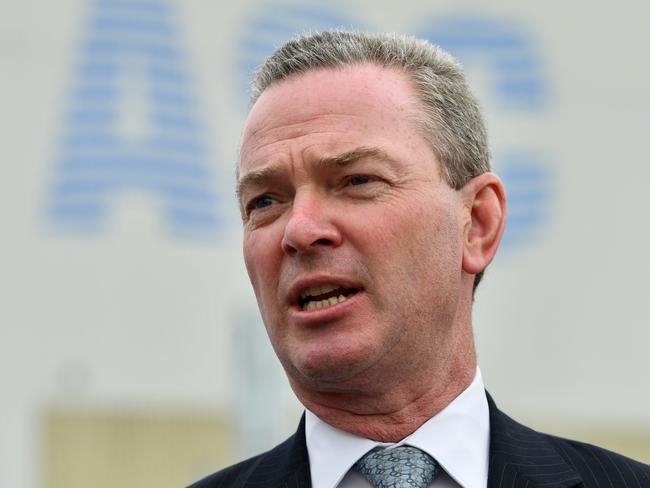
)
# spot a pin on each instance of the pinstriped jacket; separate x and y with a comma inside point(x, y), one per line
point(519, 458)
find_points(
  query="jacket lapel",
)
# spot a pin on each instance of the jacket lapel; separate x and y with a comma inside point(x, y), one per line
point(521, 457)
point(285, 466)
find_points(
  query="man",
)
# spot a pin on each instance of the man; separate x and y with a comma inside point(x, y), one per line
point(369, 217)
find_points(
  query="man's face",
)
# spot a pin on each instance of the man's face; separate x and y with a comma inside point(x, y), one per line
point(352, 241)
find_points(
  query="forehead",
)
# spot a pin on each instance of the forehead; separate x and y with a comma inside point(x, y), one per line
point(337, 104)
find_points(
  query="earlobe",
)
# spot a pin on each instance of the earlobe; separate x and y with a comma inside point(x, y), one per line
point(486, 204)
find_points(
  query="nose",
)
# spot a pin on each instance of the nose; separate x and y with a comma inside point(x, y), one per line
point(310, 226)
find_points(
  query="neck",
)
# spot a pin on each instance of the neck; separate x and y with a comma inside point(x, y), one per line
point(390, 415)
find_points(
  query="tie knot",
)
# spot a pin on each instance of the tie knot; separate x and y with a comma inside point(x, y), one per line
point(398, 467)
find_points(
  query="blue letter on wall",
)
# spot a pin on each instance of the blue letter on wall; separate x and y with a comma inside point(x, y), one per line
point(132, 124)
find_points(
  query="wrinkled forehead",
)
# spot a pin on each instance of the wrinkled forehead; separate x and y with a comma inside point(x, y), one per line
point(350, 94)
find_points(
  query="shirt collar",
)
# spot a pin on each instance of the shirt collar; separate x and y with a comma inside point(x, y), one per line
point(457, 438)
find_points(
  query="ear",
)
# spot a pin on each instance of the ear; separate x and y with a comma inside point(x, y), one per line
point(485, 202)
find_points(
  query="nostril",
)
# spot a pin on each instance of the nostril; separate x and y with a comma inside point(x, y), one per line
point(323, 241)
point(288, 248)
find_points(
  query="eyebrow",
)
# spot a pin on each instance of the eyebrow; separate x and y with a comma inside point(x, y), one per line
point(263, 176)
point(349, 157)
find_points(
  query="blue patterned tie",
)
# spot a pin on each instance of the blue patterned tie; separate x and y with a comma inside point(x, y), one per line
point(398, 467)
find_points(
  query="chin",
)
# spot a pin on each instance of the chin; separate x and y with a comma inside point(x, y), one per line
point(327, 370)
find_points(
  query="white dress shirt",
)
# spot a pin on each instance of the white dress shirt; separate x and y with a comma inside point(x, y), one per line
point(457, 438)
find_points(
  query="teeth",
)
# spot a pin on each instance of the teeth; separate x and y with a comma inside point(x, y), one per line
point(318, 290)
point(312, 304)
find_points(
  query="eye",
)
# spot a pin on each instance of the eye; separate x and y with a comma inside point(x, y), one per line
point(260, 202)
point(360, 180)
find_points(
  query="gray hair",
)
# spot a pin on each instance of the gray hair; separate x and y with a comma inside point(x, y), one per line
point(452, 120)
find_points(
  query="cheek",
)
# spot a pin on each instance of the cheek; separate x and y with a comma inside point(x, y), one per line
point(262, 263)
point(419, 243)
point(417, 225)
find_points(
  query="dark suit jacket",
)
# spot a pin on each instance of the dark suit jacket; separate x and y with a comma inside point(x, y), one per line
point(519, 457)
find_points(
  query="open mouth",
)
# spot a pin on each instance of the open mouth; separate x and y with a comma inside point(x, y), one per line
point(324, 296)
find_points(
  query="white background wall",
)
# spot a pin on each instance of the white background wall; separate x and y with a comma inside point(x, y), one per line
point(131, 316)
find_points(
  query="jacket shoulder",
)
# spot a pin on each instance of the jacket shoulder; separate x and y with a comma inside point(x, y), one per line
point(230, 476)
point(596, 464)
point(520, 456)
point(286, 465)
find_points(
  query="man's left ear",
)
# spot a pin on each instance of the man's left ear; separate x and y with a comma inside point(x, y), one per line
point(485, 202)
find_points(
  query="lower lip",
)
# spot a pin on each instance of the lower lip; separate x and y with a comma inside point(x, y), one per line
point(317, 316)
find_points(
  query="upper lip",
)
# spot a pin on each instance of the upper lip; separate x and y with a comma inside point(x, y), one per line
point(301, 284)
